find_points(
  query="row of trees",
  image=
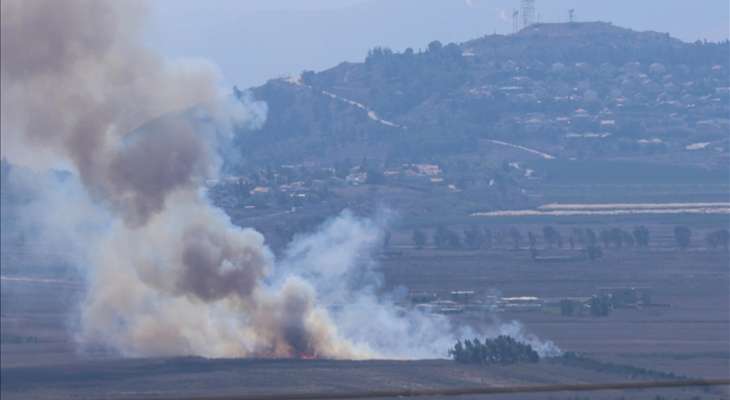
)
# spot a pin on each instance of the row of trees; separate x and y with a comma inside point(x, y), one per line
point(598, 306)
point(586, 237)
point(500, 350)
point(715, 239)
point(475, 237)
point(718, 238)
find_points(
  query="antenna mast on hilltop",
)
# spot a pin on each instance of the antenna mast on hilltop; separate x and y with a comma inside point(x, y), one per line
point(571, 15)
point(515, 21)
point(528, 13)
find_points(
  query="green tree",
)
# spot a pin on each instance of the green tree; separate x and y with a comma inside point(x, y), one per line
point(445, 238)
point(458, 353)
point(599, 306)
point(473, 238)
point(419, 238)
point(551, 235)
point(516, 236)
point(683, 236)
point(719, 238)
point(594, 252)
point(641, 236)
point(606, 238)
point(435, 46)
point(500, 350)
point(591, 238)
point(616, 237)
point(532, 239)
point(375, 177)
point(282, 198)
point(580, 236)
point(342, 168)
point(567, 307)
point(488, 238)
point(308, 77)
point(627, 238)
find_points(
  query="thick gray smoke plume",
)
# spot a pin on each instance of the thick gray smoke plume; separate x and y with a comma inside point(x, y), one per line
point(172, 276)
point(74, 85)
point(169, 274)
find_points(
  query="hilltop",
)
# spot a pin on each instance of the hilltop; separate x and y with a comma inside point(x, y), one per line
point(578, 90)
point(498, 122)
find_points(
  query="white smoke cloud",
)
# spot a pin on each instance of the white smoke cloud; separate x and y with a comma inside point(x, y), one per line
point(58, 236)
point(338, 261)
point(514, 329)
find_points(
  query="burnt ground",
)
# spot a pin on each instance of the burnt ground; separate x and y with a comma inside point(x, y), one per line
point(687, 336)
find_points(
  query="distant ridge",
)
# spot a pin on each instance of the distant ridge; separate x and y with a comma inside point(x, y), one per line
point(572, 90)
point(571, 29)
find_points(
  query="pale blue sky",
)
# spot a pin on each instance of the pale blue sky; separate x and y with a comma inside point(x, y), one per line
point(255, 40)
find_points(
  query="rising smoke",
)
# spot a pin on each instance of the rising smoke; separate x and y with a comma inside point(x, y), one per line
point(169, 274)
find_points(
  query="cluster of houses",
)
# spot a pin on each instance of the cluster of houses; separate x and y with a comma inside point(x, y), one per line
point(297, 185)
point(583, 101)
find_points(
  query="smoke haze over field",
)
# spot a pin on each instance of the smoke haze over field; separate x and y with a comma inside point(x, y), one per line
point(168, 274)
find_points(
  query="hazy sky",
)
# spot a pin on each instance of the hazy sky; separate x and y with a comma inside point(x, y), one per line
point(255, 40)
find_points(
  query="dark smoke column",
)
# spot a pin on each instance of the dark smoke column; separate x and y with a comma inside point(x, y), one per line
point(171, 275)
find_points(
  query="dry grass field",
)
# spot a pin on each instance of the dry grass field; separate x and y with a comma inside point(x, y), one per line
point(687, 336)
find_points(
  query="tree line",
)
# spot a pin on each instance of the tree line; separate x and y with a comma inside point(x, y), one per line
point(476, 237)
point(500, 350)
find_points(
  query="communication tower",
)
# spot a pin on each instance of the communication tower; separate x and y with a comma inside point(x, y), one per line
point(528, 13)
point(571, 15)
point(515, 21)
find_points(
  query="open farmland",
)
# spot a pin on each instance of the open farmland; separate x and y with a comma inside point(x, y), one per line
point(684, 336)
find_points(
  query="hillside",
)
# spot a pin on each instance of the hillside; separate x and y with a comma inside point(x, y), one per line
point(579, 90)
